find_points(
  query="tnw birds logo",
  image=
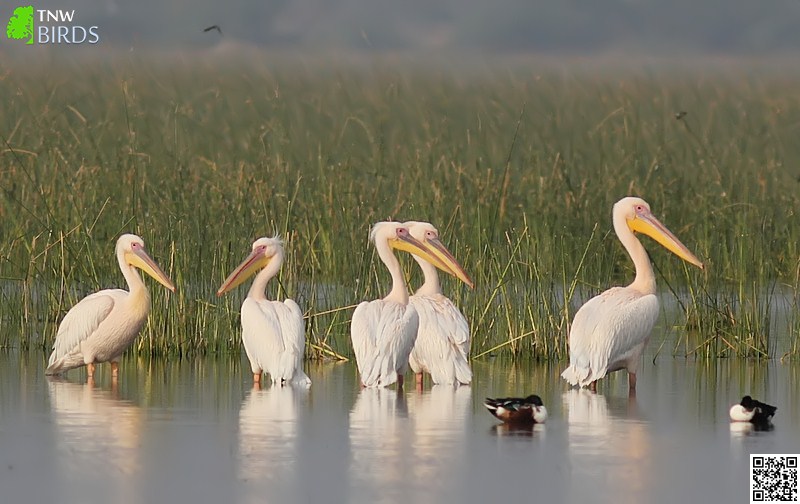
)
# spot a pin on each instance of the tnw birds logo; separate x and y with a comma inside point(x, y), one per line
point(20, 26)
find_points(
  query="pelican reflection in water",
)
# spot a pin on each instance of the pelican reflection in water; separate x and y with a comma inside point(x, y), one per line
point(380, 431)
point(440, 418)
point(95, 431)
point(607, 442)
point(268, 428)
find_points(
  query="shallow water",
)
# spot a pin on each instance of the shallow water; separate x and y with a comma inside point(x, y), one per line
point(194, 431)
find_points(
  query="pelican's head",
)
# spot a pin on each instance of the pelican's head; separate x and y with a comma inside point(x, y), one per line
point(131, 249)
point(637, 215)
point(397, 236)
point(264, 249)
point(427, 234)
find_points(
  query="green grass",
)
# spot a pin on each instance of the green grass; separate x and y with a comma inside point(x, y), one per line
point(518, 169)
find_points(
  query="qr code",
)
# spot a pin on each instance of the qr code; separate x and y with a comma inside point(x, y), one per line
point(773, 478)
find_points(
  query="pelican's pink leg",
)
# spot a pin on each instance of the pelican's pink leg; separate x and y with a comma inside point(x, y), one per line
point(631, 383)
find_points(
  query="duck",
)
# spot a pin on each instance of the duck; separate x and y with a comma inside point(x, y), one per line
point(753, 411)
point(517, 410)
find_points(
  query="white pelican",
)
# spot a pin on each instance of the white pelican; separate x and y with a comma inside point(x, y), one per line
point(104, 324)
point(273, 332)
point(383, 331)
point(610, 330)
point(442, 346)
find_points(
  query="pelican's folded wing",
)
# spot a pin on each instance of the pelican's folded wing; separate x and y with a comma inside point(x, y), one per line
point(82, 320)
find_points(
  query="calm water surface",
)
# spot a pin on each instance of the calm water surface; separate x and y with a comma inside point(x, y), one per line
point(194, 431)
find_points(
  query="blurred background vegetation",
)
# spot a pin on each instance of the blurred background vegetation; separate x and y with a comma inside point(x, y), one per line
point(685, 27)
point(517, 165)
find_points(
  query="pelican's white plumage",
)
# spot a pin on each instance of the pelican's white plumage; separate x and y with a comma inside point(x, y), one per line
point(383, 331)
point(609, 333)
point(443, 339)
point(610, 330)
point(273, 332)
point(383, 334)
point(104, 324)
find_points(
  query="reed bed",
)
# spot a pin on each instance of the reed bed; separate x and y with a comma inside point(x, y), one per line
point(517, 167)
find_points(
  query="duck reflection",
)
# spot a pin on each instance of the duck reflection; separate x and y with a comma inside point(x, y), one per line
point(609, 443)
point(95, 431)
point(268, 425)
point(518, 430)
point(742, 429)
point(380, 444)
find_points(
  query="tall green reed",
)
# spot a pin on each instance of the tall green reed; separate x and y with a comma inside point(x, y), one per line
point(517, 168)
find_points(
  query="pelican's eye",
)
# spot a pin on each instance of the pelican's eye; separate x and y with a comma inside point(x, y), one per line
point(402, 232)
point(430, 234)
point(639, 208)
point(135, 245)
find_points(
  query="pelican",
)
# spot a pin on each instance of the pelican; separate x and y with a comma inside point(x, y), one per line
point(610, 330)
point(273, 332)
point(442, 346)
point(104, 324)
point(383, 331)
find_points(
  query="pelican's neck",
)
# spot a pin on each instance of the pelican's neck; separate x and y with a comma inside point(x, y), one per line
point(258, 289)
point(431, 286)
point(645, 281)
point(399, 292)
point(136, 286)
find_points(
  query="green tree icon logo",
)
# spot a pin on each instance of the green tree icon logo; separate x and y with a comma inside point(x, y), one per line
point(20, 26)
